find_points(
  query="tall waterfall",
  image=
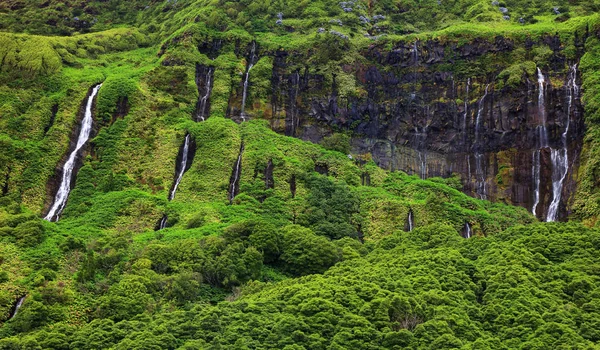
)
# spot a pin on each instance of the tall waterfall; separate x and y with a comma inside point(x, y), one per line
point(65, 184)
point(464, 122)
point(542, 141)
point(560, 157)
point(182, 166)
point(203, 102)
point(543, 131)
point(481, 187)
point(411, 221)
point(246, 78)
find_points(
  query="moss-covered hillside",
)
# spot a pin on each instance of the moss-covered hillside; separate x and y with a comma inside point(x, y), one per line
point(270, 241)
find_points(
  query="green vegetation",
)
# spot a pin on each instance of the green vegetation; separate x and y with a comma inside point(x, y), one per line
point(318, 259)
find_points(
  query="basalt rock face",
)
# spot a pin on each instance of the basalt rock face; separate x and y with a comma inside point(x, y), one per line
point(416, 112)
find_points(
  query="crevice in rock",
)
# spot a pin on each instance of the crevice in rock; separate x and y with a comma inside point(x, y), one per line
point(236, 174)
point(53, 111)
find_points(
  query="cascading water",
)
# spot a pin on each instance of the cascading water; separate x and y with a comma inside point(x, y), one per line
point(542, 141)
point(65, 185)
point(560, 157)
point(234, 182)
point(535, 173)
point(543, 131)
point(421, 138)
point(246, 78)
point(163, 222)
point(17, 307)
point(423, 160)
point(411, 221)
point(187, 154)
point(202, 109)
point(481, 186)
point(182, 166)
point(464, 122)
point(415, 58)
point(479, 112)
point(467, 231)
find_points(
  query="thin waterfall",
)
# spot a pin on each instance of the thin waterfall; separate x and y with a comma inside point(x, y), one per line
point(234, 181)
point(415, 58)
point(423, 161)
point(411, 221)
point(464, 123)
point(246, 78)
point(542, 141)
point(535, 173)
point(17, 307)
point(182, 166)
point(481, 186)
point(163, 222)
point(202, 109)
point(69, 167)
point(469, 167)
point(479, 112)
point(420, 138)
point(187, 154)
point(467, 231)
point(560, 158)
point(543, 131)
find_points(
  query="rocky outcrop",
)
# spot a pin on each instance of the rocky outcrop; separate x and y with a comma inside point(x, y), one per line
point(422, 111)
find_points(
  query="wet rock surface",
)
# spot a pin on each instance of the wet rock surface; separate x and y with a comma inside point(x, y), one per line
point(418, 116)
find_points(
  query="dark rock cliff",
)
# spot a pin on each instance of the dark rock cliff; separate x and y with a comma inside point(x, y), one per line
point(438, 109)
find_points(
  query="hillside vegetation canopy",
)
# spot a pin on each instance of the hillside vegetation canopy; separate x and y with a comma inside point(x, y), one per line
point(271, 242)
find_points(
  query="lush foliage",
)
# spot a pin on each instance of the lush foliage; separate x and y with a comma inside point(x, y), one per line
point(308, 255)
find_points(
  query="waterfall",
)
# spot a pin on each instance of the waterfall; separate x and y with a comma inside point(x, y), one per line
point(542, 141)
point(420, 138)
point(543, 131)
point(467, 231)
point(536, 179)
point(415, 53)
point(481, 186)
point(65, 185)
point(411, 221)
point(202, 110)
point(17, 307)
point(163, 222)
point(246, 78)
point(182, 166)
point(234, 182)
point(479, 111)
point(423, 161)
point(464, 123)
point(560, 158)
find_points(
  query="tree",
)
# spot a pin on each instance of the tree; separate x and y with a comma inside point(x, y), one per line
point(306, 253)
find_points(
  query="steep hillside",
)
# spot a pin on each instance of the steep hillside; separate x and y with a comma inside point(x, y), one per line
point(298, 175)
